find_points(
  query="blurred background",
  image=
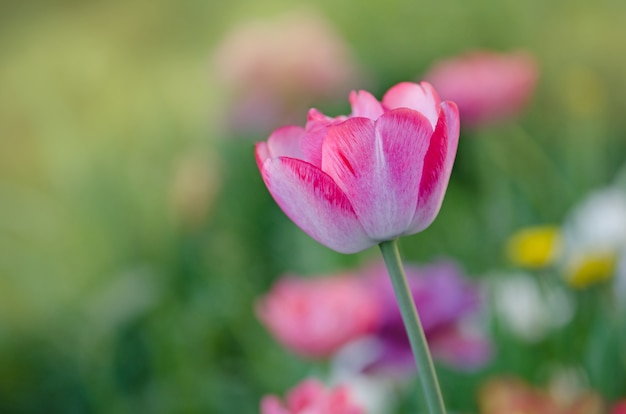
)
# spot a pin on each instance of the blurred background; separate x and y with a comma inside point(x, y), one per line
point(136, 233)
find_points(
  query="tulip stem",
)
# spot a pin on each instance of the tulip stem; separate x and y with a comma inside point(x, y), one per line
point(426, 370)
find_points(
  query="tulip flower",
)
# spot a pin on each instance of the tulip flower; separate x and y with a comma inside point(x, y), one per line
point(314, 317)
point(311, 397)
point(378, 174)
point(487, 86)
point(355, 181)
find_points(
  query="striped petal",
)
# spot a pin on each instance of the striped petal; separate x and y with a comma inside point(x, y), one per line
point(437, 168)
point(315, 203)
point(378, 166)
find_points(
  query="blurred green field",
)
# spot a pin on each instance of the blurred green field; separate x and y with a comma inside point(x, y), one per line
point(118, 296)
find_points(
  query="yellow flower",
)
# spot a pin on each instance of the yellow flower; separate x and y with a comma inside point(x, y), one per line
point(593, 268)
point(534, 247)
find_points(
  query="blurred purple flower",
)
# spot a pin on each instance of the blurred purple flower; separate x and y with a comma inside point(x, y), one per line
point(447, 304)
point(487, 86)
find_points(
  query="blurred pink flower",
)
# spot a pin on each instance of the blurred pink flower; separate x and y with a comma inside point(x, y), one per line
point(619, 407)
point(311, 397)
point(314, 317)
point(446, 302)
point(378, 174)
point(317, 317)
point(276, 67)
point(486, 86)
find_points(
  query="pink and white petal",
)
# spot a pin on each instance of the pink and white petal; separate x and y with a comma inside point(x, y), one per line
point(420, 97)
point(437, 168)
point(378, 166)
point(365, 105)
point(312, 142)
point(261, 153)
point(286, 142)
point(313, 201)
point(316, 128)
point(314, 115)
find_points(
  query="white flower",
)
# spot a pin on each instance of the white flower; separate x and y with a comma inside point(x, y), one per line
point(594, 234)
point(529, 311)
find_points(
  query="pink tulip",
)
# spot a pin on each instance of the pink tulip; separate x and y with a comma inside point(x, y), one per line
point(315, 317)
point(311, 397)
point(486, 86)
point(380, 173)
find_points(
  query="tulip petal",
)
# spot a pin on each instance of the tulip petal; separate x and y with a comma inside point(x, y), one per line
point(378, 166)
point(364, 104)
point(437, 168)
point(315, 203)
point(312, 142)
point(262, 153)
point(286, 142)
point(316, 126)
point(420, 97)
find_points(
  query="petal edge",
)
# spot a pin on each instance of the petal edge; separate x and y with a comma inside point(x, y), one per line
point(437, 168)
point(312, 200)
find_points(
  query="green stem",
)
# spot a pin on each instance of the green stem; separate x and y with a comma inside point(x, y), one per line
point(426, 371)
